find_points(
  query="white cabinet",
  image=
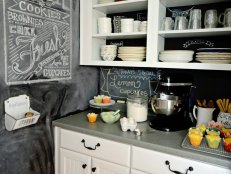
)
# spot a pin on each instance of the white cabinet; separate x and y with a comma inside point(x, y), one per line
point(157, 162)
point(137, 172)
point(80, 153)
point(73, 163)
point(90, 41)
point(161, 6)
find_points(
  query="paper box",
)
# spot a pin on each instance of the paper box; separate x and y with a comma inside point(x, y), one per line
point(15, 110)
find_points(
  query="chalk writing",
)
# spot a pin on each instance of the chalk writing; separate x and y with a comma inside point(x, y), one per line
point(198, 42)
point(121, 82)
point(37, 40)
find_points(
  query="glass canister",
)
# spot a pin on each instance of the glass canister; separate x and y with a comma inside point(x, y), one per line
point(137, 107)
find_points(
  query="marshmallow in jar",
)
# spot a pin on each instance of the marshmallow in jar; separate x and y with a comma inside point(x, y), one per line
point(137, 107)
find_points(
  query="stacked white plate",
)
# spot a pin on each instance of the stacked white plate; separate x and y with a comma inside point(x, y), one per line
point(176, 56)
point(104, 1)
point(214, 55)
point(132, 53)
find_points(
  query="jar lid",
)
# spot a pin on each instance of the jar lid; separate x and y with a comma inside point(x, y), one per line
point(137, 97)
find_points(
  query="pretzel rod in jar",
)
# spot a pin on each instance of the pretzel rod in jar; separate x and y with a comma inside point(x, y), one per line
point(226, 105)
point(229, 108)
point(220, 105)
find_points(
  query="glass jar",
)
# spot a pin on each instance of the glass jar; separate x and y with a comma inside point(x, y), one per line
point(137, 107)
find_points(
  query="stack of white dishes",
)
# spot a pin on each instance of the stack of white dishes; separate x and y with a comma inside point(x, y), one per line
point(108, 52)
point(176, 56)
point(104, 1)
point(214, 55)
point(132, 53)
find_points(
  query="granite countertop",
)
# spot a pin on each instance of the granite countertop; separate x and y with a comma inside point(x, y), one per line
point(167, 142)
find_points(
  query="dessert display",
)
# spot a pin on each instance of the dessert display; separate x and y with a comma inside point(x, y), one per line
point(211, 136)
point(101, 101)
point(91, 117)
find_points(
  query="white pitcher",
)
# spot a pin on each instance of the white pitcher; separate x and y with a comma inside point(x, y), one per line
point(203, 116)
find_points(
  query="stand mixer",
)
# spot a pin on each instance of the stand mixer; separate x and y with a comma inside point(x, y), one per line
point(171, 104)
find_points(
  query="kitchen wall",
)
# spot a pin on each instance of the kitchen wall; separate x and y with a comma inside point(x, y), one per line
point(30, 150)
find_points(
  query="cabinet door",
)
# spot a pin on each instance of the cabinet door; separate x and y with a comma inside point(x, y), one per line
point(137, 172)
point(103, 167)
point(157, 162)
point(74, 163)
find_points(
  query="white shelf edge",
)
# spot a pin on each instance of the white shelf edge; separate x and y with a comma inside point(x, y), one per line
point(178, 3)
point(195, 32)
point(116, 3)
point(195, 66)
point(122, 6)
point(118, 63)
point(132, 35)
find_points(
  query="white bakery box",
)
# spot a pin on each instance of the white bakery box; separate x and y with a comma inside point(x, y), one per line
point(15, 110)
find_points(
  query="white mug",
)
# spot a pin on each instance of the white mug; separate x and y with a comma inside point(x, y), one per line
point(127, 25)
point(226, 22)
point(203, 116)
point(104, 25)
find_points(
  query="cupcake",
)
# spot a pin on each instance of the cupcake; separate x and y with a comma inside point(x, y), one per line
point(226, 133)
point(98, 99)
point(106, 99)
point(194, 131)
point(213, 141)
point(195, 139)
point(91, 117)
point(202, 128)
point(227, 144)
point(212, 132)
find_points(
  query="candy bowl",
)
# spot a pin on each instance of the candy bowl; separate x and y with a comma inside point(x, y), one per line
point(225, 119)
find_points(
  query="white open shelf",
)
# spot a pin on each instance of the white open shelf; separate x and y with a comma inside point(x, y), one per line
point(195, 33)
point(122, 6)
point(178, 3)
point(90, 41)
point(134, 35)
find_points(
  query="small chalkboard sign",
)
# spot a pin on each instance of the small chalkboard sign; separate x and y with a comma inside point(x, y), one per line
point(37, 40)
point(119, 82)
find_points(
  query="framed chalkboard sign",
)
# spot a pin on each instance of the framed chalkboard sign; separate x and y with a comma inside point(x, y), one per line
point(119, 82)
point(37, 40)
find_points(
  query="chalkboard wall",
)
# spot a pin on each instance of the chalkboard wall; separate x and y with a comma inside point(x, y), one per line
point(30, 150)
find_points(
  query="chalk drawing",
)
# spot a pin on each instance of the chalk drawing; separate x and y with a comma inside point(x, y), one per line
point(37, 40)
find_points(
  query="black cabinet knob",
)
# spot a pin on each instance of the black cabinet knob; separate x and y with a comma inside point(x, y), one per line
point(93, 169)
point(84, 166)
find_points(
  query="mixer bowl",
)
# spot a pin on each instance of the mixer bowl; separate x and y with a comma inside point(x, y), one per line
point(166, 104)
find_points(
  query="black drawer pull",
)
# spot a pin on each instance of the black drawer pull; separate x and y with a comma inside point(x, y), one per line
point(90, 148)
point(93, 169)
point(177, 172)
point(84, 166)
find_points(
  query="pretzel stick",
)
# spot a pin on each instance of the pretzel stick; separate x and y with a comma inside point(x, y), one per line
point(226, 105)
point(223, 104)
point(229, 108)
point(220, 105)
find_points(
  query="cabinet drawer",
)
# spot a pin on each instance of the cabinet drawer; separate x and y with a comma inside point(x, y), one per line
point(95, 147)
point(155, 162)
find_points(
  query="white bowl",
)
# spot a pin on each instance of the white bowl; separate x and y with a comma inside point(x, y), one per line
point(108, 57)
